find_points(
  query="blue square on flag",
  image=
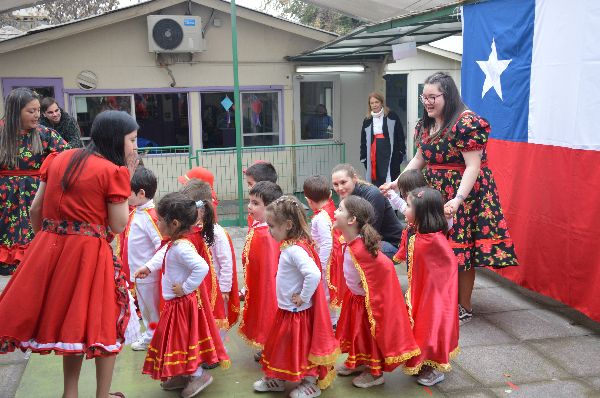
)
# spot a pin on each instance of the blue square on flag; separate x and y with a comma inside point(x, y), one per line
point(226, 103)
point(496, 64)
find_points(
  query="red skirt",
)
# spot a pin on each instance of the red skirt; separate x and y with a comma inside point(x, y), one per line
point(182, 340)
point(354, 333)
point(68, 296)
point(286, 352)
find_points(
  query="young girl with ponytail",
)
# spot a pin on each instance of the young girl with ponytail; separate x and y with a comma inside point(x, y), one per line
point(301, 345)
point(373, 327)
point(186, 335)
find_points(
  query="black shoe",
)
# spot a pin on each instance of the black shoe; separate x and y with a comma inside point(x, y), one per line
point(211, 366)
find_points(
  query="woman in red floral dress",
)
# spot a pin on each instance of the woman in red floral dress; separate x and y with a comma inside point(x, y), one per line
point(451, 146)
point(24, 144)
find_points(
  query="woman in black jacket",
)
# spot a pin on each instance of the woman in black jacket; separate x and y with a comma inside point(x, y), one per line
point(56, 118)
point(382, 142)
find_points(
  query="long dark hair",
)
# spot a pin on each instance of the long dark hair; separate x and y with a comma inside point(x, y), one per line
point(364, 213)
point(428, 208)
point(108, 139)
point(453, 104)
point(177, 206)
point(197, 190)
point(9, 132)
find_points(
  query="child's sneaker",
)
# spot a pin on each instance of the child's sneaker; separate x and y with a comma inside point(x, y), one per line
point(175, 383)
point(139, 345)
point(430, 377)
point(269, 384)
point(196, 384)
point(464, 315)
point(366, 380)
point(306, 389)
point(343, 370)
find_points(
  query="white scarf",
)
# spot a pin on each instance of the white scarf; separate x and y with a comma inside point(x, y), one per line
point(378, 114)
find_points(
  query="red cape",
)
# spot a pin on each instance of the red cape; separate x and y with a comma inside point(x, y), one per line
point(259, 259)
point(390, 326)
point(334, 269)
point(432, 300)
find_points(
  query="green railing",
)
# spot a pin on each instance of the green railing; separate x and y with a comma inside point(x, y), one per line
point(168, 163)
point(294, 163)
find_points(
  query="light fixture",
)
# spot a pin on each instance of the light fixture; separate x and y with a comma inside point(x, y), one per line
point(329, 68)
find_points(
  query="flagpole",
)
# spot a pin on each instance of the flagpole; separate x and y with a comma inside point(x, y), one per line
point(238, 109)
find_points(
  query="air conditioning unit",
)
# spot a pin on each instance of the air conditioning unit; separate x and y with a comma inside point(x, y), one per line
point(175, 34)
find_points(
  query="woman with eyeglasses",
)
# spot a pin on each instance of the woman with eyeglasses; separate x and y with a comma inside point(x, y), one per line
point(451, 148)
point(382, 142)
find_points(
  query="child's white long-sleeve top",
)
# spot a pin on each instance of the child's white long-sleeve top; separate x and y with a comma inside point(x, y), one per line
point(351, 274)
point(320, 230)
point(222, 259)
point(142, 241)
point(297, 273)
point(183, 266)
point(396, 201)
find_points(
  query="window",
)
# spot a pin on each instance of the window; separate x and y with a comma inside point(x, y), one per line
point(162, 117)
point(260, 119)
point(44, 87)
point(316, 104)
point(88, 107)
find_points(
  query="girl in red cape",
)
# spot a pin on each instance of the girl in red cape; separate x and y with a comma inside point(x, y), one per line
point(219, 254)
point(373, 328)
point(69, 295)
point(432, 295)
point(301, 345)
point(186, 335)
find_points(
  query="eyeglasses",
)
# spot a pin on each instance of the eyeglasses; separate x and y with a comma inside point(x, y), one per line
point(429, 99)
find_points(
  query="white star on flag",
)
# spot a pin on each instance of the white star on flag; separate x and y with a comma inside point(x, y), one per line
point(493, 68)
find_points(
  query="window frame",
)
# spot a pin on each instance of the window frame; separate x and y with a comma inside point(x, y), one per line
point(248, 90)
point(8, 83)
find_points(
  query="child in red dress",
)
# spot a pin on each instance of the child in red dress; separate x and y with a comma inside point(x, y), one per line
point(222, 278)
point(432, 295)
point(182, 340)
point(69, 296)
point(301, 345)
point(317, 191)
point(373, 328)
point(259, 258)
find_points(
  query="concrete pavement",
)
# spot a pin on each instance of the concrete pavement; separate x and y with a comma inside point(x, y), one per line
point(519, 344)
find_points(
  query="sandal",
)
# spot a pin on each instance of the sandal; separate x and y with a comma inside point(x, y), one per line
point(116, 394)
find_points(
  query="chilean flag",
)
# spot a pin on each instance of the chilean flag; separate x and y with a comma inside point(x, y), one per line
point(532, 68)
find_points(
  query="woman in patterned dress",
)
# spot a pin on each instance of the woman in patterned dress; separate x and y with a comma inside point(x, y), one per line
point(24, 145)
point(451, 146)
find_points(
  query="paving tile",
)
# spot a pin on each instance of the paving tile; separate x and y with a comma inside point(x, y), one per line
point(594, 382)
point(457, 379)
point(554, 389)
point(580, 356)
point(10, 376)
point(489, 364)
point(482, 332)
point(484, 280)
point(536, 324)
point(479, 393)
point(500, 299)
point(3, 282)
point(13, 358)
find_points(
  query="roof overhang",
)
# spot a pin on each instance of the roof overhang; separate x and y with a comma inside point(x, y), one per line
point(371, 11)
point(54, 32)
point(374, 42)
